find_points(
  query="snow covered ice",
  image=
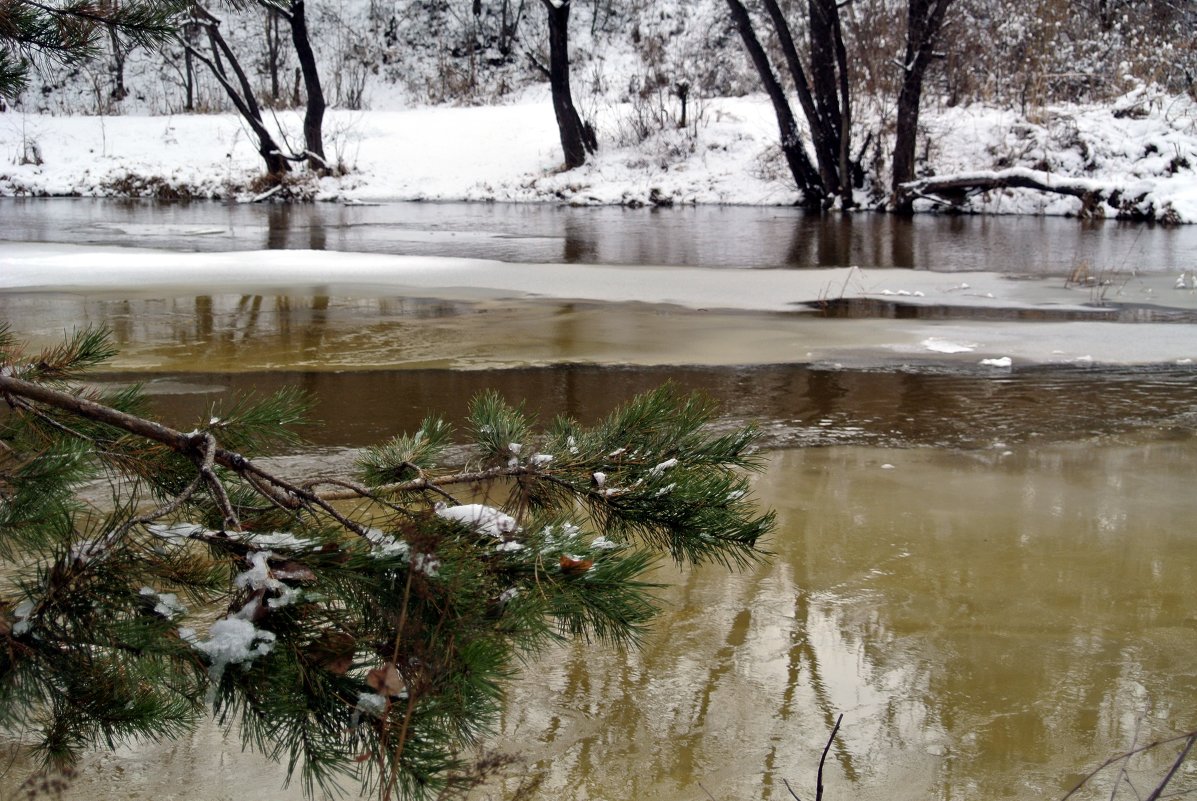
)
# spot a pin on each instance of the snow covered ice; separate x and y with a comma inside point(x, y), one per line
point(800, 334)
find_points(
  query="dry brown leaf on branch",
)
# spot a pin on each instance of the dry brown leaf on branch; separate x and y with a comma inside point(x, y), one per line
point(572, 565)
point(386, 680)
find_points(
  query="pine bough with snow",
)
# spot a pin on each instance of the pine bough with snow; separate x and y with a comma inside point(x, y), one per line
point(358, 628)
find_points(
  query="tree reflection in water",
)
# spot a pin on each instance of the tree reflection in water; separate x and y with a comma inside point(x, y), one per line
point(990, 625)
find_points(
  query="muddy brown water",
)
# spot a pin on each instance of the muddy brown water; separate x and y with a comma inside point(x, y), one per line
point(990, 575)
point(991, 624)
point(993, 578)
point(794, 405)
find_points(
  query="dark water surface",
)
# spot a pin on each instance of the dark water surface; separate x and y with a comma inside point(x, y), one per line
point(795, 405)
point(709, 236)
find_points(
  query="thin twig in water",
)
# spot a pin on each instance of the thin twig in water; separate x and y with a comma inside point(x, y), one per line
point(1190, 736)
point(1180, 759)
point(822, 759)
point(1122, 773)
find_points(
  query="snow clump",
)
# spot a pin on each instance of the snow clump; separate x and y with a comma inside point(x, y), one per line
point(166, 604)
point(480, 517)
point(386, 545)
point(231, 641)
point(662, 467)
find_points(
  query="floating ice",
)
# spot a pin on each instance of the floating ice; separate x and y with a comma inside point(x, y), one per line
point(937, 345)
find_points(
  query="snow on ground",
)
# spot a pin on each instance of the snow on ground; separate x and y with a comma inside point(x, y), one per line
point(512, 153)
point(1147, 142)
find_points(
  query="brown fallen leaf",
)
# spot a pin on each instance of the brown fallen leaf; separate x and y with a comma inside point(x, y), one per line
point(386, 680)
point(333, 651)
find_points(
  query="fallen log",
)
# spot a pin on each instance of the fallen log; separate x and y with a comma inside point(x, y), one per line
point(1127, 202)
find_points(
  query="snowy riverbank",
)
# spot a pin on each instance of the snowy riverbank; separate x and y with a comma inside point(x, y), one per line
point(1146, 145)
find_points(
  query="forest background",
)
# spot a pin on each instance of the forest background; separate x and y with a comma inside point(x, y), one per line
point(1097, 93)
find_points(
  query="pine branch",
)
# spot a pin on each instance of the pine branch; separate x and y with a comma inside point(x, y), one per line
point(384, 631)
point(68, 33)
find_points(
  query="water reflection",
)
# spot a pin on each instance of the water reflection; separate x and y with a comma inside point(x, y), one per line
point(711, 236)
point(991, 625)
point(288, 228)
point(960, 612)
point(795, 405)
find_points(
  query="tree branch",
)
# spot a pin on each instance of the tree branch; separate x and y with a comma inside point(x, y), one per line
point(1180, 759)
point(1191, 736)
point(198, 446)
point(956, 187)
point(822, 759)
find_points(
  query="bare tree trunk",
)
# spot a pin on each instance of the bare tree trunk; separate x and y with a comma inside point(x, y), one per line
point(313, 118)
point(188, 34)
point(845, 140)
point(241, 95)
point(825, 149)
point(925, 20)
point(576, 139)
point(119, 92)
point(509, 25)
point(823, 22)
point(832, 92)
point(808, 180)
point(273, 52)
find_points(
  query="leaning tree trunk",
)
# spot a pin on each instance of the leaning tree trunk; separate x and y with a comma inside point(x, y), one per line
point(576, 139)
point(924, 21)
point(821, 136)
point(241, 94)
point(806, 177)
point(313, 118)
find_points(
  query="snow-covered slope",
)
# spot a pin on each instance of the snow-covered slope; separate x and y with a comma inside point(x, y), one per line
point(511, 153)
point(434, 102)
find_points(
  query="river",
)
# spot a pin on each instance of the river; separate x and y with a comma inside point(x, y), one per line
point(706, 236)
point(989, 574)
